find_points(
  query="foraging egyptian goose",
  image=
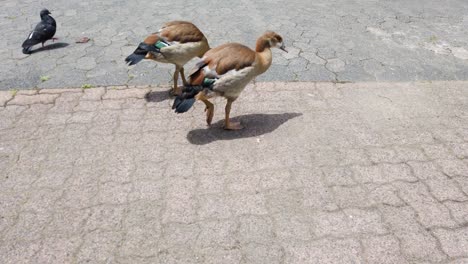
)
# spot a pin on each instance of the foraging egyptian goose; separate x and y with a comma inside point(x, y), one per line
point(225, 71)
point(177, 42)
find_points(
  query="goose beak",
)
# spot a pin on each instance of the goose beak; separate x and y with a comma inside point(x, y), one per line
point(283, 48)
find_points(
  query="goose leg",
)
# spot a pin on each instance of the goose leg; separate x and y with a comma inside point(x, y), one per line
point(184, 81)
point(209, 107)
point(228, 124)
point(175, 90)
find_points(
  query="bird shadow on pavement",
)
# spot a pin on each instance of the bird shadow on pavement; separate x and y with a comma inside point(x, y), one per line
point(255, 125)
point(52, 46)
point(157, 96)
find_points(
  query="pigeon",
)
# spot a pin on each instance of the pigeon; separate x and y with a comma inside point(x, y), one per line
point(43, 31)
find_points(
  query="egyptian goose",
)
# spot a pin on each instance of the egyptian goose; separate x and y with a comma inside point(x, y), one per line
point(225, 71)
point(177, 42)
point(43, 31)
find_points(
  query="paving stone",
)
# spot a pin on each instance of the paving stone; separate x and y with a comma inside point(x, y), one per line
point(438, 152)
point(93, 94)
point(213, 206)
point(352, 196)
point(86, 63)
point(384, 194)
point(316, 195)
point(463, 182)
point(426, 170)
point(460, 261)
point(98, 246)
point(394, 172)
point(257, 253)
point(54, 249)
point(351, 221)
point(338, 176)
point(460, 149)
point(215, 233)
point(454, 242)
point(378, 155)
point(255, 229)
point(176, 255)
point(125, 93)
point(415, 241)
point(323, 251)
point(354, 157)
point(453, 167)
point(247, 204)
point(445, 188)
point(292, 227)
point(5, 96)
point(383, 249)
point(430, 212)
point(459, 211)
point(406, 154)
point(113, 193)
point(142, 240)
point(105, 217)
point(180, 234)
point(221, 255)
point(33, 99)
point(17, 251)
point(75, 220)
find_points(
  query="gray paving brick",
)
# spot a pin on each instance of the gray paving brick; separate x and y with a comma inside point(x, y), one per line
point(98, 246)
point(213, 206)
point(445, 188)
point(426, 170)
point(459, 211)
point(386, 194)
point(383, 249)
point(415, 241)
point(352, 196)
point(213, 233)
point(338, 176)
point(324, 251)
point(430, 212)
point(255, 229)
point(454, 242)
point(453, 167)
point(258, 253)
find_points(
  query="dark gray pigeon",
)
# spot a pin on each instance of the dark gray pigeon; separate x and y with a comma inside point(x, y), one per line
point(43, 31)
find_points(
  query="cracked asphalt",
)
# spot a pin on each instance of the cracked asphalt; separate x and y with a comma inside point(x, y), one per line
point(322, 173)
point(342, 40)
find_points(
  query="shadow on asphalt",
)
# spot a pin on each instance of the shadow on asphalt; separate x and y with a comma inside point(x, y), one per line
point(255, 125)
point(53, 46)
point(157, 96)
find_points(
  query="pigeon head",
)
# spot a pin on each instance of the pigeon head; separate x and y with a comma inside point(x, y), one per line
point(45, 12)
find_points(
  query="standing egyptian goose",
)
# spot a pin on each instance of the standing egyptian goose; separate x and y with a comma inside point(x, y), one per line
point(225, 71)
point(177, 42)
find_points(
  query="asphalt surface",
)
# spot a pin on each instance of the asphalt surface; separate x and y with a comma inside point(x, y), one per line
point(344, 40)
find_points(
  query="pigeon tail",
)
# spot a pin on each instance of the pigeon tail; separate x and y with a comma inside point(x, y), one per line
point(27, 50)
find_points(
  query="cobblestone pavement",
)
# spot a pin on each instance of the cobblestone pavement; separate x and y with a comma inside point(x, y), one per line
point(345, 40)
point(323, 173)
